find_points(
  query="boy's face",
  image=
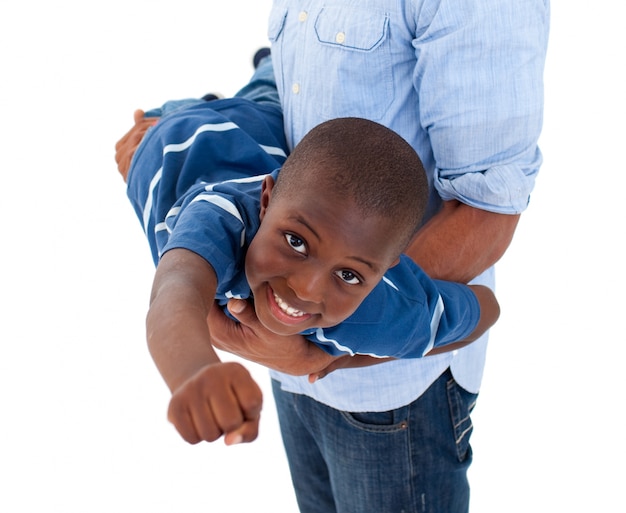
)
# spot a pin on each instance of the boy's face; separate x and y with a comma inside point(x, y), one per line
point(314, 259)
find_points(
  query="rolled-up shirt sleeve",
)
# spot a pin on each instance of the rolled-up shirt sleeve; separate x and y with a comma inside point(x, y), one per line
point(479, 75)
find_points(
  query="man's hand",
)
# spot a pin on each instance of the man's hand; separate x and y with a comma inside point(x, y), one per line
point(293, 355)
point(222, 398)
point(250, 340)
point(347, 362)
point(125, 148)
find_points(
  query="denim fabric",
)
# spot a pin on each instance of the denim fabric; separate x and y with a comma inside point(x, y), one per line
point(170, 107)
point(412, 459)
point(260, 89)
point(262, 85)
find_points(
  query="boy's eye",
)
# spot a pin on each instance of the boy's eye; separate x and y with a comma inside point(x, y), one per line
point(349, 277)
point(296, 243)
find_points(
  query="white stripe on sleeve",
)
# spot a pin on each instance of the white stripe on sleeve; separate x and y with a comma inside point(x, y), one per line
point(434, 324)
point(225, 205)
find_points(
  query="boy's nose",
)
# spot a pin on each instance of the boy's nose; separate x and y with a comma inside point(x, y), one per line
point(307, 285)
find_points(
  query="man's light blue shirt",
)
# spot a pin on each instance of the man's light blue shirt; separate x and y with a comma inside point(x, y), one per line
point(462, 81)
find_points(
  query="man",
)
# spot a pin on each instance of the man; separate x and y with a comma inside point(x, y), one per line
point(462, 82)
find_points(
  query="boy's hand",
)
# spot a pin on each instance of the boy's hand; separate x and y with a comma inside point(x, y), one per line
point(125, 148)
point(222, 398)
point(250, 340)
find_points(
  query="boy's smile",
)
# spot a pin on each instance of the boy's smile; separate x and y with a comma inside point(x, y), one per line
point(283, 311)
point(306, 269)
point(290, 311)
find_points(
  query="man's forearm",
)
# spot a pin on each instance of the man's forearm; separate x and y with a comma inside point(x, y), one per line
point(460, 242)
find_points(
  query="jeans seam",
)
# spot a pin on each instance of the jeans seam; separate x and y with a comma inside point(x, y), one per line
point(374, 428)
point(457, 407)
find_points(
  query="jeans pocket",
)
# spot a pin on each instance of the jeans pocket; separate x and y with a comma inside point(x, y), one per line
point(461, 403)
point(378, 422)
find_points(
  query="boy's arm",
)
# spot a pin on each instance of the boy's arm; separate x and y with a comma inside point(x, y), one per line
point(209, 398)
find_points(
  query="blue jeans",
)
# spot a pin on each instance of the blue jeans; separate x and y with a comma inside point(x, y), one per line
point(413, 459)
point(262, 85)
point(260, 89)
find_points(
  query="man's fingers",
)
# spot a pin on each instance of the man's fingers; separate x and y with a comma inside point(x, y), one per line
point(138, 115)
point(125, 148)
point(243, 312)
point(346, 362)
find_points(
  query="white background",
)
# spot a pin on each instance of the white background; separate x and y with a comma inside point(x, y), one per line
point(82, 408)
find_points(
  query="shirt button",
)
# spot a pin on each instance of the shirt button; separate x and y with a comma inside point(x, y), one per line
point(303, 16)
point(340, 37)
point(295, 88)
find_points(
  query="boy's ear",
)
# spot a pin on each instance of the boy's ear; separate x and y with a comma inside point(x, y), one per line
point(266, 194)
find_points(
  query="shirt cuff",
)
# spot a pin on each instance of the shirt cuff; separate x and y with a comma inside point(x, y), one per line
point(501, 189)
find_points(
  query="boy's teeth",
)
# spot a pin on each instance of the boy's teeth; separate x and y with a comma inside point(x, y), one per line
point(286, 308)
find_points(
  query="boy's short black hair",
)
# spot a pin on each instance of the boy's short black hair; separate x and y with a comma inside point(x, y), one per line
point(366, 162)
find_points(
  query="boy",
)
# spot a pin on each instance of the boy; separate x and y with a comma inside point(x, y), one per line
point(310, 244)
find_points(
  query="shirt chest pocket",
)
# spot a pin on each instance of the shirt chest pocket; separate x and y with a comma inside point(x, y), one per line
point(352, 30)
point(353, 63)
